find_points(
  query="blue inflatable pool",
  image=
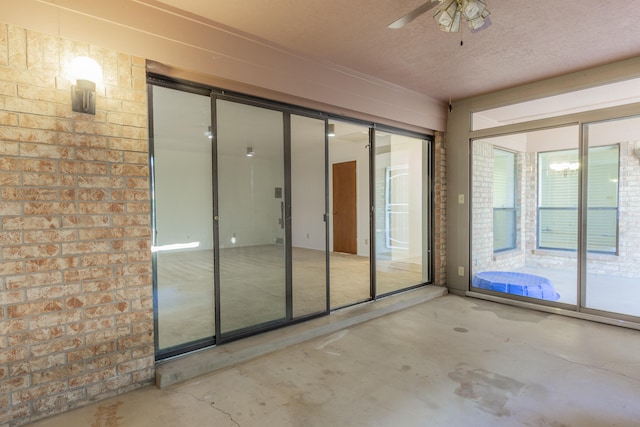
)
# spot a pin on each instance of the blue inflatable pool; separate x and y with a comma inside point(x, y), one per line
point(528, 285)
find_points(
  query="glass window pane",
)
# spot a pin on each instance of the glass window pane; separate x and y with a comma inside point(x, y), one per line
point(350, 268)
point(308, 228)
point(613, 215)
point(183, 244)
point(504, 200)
point(251, 215)
point(526, 268)
point(558, 226)
point(401, 217)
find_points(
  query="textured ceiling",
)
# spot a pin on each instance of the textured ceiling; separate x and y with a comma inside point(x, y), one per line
point(527, 41)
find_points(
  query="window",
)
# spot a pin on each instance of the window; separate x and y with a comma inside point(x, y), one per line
point(558, 199)
point(504, 200)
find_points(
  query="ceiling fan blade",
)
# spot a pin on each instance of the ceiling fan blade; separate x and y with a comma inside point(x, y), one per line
point(414, 14)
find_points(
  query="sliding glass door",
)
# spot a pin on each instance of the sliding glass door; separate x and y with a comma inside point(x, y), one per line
point(555, 214)
point(183, 226)
point(349, 203)
point(308, 224)
point(262, 217)
point(401, 216)
point(612, 281)
point(525, 214)
point(250, 215)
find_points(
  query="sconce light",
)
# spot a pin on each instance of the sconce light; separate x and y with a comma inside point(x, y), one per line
point(250, 152)
point(85, 73)
point(332, 130)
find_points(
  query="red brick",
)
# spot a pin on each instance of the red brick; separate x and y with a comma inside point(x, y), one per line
point(87, 273)
point(100, 182)
point(53, 236)
point(10, 268)
point(38, 392)
point(11, 164)
point(35, 336)
point(85, 168)
point(99, 208)
point(55, 402)
point(31, 194)
point(13, 354)
point(136, 158)
point(11, 238)
point(37, 251)
point(133, 139)
point(86, 221)
point(49, 208)
point(55, 291)
point(7, 208)
point(35, 280)
point(106, 310)
point(45, 151)
point(141, 192)
point(49, 264)
point(92, 377)
point(12, 297)
point(103, 259)
point(31, 223)
point(9, 148)
point(32, 121)
point(130, 170)
point(85, 247)
point(9, 179)
point(101, 233)
point(82, 140)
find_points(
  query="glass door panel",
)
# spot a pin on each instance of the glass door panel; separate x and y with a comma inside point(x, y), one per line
point(251, 211)
point(349, 262)
point(400, 214)
point(308, 227)
point(183, 227)
point(525, 214)
point(613, 215)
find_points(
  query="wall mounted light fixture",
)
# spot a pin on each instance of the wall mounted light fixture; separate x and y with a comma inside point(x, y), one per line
point(332, 130)
point(85, 73)
point(250, 152)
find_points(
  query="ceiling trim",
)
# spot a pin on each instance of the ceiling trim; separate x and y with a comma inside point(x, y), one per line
point(585, 79)
point(260, 92)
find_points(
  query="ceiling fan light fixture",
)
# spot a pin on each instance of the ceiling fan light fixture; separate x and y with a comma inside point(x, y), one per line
point(447, 16)
point(449, 13)
point(472, 9)
point(479, 23)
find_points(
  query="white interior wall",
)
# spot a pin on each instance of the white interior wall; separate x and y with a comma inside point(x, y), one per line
point(248, 207)
point(307, 198)
point(183, 192)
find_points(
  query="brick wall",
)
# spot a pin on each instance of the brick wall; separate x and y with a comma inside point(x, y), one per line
point(482, 255)
point(76, 317)
point(440, 210)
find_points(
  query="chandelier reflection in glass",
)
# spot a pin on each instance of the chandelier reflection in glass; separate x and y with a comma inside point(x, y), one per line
point(450, 12)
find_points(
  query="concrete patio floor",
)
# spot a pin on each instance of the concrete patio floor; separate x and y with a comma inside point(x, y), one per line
point(451, 361)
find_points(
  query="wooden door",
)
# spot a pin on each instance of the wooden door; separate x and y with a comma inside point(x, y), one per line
point(344, 208)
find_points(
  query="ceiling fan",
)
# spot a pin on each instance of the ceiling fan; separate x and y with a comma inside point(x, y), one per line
point(449, 13)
